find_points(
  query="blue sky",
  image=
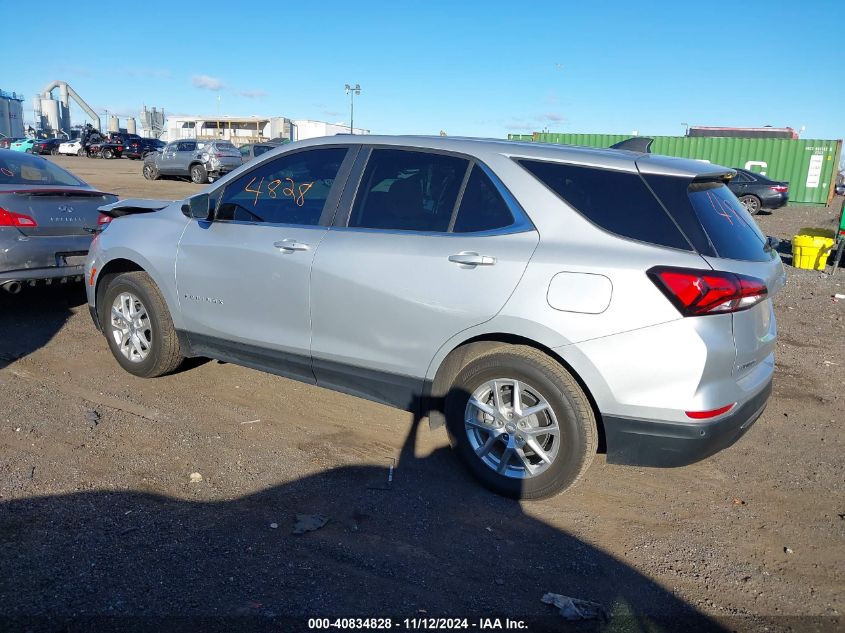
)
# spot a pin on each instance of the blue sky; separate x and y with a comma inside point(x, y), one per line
point(469, 68)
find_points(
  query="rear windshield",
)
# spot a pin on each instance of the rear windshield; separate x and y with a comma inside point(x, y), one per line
point(616, 201)
point(31, 170)
point(224, 145)
point(259, 150)
point(731, 229)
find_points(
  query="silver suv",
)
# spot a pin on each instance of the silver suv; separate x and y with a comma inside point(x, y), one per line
point(201, 161)
point(544, 302)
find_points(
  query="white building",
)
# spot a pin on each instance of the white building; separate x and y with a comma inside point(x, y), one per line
point(252, 129)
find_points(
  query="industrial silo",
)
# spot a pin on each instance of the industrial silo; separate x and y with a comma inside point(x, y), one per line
point(51, 114)
point(114, 123)
point(130, 125)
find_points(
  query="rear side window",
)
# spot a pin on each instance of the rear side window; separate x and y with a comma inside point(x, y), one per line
point(482, 207)
point(408, 191)
point(731, 229)
point(25, 169)
point(618, 202)
point(258, 150)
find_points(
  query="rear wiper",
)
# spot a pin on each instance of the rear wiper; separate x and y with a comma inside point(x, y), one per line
point(771, 243)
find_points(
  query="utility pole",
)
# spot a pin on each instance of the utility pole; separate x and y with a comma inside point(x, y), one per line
point(352, 91)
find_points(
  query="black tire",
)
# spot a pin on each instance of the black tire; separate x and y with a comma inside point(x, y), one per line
point(164, 354)
point(81, 152)
point(107, 153)
point(752, 204)
point(578, 435)
point(151, 172)
point(199, 175)
point(55, 151)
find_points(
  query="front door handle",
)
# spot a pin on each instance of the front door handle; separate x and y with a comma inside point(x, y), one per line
point(291, 245)
point(468, 258)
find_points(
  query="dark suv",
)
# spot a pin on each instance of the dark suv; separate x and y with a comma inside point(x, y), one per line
point(138, 148)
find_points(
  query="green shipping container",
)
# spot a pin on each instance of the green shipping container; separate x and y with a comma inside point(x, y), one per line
point(809, 165)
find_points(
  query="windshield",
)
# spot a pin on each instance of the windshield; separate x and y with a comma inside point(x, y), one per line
point(30, 170)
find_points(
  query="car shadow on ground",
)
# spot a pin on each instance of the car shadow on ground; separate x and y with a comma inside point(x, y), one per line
point(429, 543)
point(31, 318)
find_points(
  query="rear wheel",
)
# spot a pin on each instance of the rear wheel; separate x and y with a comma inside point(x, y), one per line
point(138, 326)
point(150, 172)
point(752, 204)
point(521, 423)
point(55, 151)
point(199, 175)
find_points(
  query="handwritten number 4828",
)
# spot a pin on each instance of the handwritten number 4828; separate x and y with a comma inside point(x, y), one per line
point(292, 190)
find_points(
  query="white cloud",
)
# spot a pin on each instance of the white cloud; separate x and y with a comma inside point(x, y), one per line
point(207, 83)
point(252, 94)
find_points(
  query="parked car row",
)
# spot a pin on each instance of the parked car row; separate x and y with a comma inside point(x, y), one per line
point(113, 146)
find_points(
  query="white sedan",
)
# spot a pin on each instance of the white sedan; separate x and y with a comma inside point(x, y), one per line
point(72, 147)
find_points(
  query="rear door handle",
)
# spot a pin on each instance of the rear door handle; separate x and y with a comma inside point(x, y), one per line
point(468, 258)
point(291, 245)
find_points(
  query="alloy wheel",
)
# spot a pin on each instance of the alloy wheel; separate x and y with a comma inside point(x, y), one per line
point(131, 327)
point(512, 428)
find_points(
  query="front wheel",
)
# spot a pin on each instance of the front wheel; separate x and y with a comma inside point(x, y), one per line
point(150, 172)
point(752, 204)
point(521, 423)
point(107, 153)
point(138, 326)
point(199, 175)
point(55, 152)
point(81, 152)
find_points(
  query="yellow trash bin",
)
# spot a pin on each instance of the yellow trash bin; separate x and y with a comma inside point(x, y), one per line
point(811, 247)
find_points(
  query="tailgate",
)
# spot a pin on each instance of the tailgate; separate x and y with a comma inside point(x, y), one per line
point(754, 330)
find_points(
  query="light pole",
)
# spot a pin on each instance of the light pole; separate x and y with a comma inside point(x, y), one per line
point(352, 91)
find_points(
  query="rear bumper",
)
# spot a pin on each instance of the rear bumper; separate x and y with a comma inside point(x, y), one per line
point(775, 201)
point(667, 444)
point(40, 257)
point(33, 274)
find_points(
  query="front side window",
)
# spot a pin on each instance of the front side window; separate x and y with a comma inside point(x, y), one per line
point(408, 191)
point(292, 189)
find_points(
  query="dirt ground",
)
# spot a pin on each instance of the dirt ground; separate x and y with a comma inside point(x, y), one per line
point(102, 527)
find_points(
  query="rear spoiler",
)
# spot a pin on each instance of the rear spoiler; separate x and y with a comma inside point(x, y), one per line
point(635, 144)
point(131, 206)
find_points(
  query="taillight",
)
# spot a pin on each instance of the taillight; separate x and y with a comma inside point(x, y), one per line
point(712, 413)
point(779, 188)
point(10, 218)
point(103, 220)
point(700, 292)
point(119, 148)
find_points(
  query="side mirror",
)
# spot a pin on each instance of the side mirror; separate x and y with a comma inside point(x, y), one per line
point(198, 207)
